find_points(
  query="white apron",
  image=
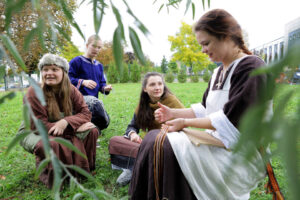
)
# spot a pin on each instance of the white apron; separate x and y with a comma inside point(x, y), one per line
point(214, 173)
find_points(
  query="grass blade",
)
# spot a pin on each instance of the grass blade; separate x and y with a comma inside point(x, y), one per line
point(38, 90)
point(16, 139)
point(81, 171)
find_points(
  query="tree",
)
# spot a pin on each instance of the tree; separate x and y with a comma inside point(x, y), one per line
point(182, 77)
point(32, 31)
point(135, 75)
point(187, 50)
point(69, 51)
point(164, 65)
point(173, 67)
point(125, 75)
point(112, 73)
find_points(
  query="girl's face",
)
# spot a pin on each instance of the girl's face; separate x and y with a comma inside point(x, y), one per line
point(154, 88)
point(52, 75)
point(216, 49)
point(93, 48)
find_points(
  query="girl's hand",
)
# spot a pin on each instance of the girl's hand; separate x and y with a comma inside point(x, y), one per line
point(86, 126)
point(58, 128)
point(175, 125)
point(134, 137)
point(163, 113)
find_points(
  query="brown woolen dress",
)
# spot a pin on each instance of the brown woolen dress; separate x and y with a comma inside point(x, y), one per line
point(87, 146)
point(173, 185)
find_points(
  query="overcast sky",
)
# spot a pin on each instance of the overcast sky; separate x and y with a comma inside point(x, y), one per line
point(264, 21)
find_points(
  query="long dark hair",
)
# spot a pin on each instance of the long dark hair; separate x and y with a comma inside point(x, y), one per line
point(65, 103)
point(221, 24)
point(144, 114)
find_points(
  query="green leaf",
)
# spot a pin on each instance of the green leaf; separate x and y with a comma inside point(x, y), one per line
point(188, 4)
point(13, 50)
point(26, 116)
point(11, 8)
point(29, 37)
point(61, 31)
point(70, 18)
point(77, 196)
point(117, 49)
point(208, 3)
point(40, 168)
point(119, 20)
point(9, 96)
point(193, 8)
point(98, 14)
point(82, 172)
point(69, 145)
point(136, 44)
point(37, 90)
point(16, 139)
point(161, 7)
point(139, 24)
point(57, 175)
point(35, 4)
point(203, 4)
point(44, 134)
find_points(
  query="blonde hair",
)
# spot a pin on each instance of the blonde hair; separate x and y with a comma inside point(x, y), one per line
point(93, 38)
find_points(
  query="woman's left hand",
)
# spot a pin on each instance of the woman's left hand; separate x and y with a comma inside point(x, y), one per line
point(175, 125)
point(58, 128)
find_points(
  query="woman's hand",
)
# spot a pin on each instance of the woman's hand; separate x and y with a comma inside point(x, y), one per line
point(134, 137)
point(58, 128)
point(107, 88)
point(163, 113)
point(175, 125)
point(86, 126)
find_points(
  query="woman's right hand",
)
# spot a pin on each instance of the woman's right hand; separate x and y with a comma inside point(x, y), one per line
point(134, 137)
point(163, 113)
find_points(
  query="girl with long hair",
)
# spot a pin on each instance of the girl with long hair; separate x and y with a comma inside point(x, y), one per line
point(65, 115)
point(123, 150)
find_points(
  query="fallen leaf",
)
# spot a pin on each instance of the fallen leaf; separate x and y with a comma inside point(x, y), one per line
point(2, 177)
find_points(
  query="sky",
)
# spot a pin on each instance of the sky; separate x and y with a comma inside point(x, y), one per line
point(263, 20)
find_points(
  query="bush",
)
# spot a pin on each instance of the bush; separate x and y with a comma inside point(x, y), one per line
point(135, 75)
point(125, 75)
point(112, 73)
point(206, 76)
point(182, 77)
point(195, 78)
point(169, 77)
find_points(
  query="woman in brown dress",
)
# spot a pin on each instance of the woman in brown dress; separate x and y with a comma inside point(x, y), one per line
point(65, 115)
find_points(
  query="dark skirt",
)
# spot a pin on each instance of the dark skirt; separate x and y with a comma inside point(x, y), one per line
point(67, 156)
point(173, 184)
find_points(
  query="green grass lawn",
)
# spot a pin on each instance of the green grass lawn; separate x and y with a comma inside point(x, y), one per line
point(18, 167)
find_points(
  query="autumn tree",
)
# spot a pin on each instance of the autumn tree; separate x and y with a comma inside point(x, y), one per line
point(70, 51)
point(30, 28)
point(187, 50)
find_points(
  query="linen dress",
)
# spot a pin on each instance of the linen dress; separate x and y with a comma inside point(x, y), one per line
point(207, 172)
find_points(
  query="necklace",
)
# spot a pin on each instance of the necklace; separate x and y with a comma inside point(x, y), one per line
point(221, 77)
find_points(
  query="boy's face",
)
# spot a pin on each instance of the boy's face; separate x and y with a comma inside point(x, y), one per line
point(93, 48)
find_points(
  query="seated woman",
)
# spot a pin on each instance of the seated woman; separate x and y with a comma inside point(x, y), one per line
point(123, 150)
point(188, 171)
point(65, 115)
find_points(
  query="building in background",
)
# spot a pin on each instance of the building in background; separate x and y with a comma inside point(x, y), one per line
point(275, 49)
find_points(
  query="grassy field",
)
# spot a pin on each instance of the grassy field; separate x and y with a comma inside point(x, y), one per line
point(18, 167)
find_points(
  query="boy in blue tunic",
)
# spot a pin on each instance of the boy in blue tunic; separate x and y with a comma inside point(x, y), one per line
point(86, 73)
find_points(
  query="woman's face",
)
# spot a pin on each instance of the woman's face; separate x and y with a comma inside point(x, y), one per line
point(93, 48)
point(216, 49)
point(52, 75)
point(154, 88)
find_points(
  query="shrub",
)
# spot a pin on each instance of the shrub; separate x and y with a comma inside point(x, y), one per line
point(169, 77)
point(125, 75)
point(135, 75)
point(182, 77)
point(206, 76)
point(195, 78)
point(112, 73)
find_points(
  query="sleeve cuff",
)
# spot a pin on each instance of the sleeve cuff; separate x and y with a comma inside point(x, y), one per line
point(198, 109)
point(225, 130)
point(79, 83)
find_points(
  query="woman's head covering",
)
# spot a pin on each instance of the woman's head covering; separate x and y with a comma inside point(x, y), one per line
point(52, 59)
